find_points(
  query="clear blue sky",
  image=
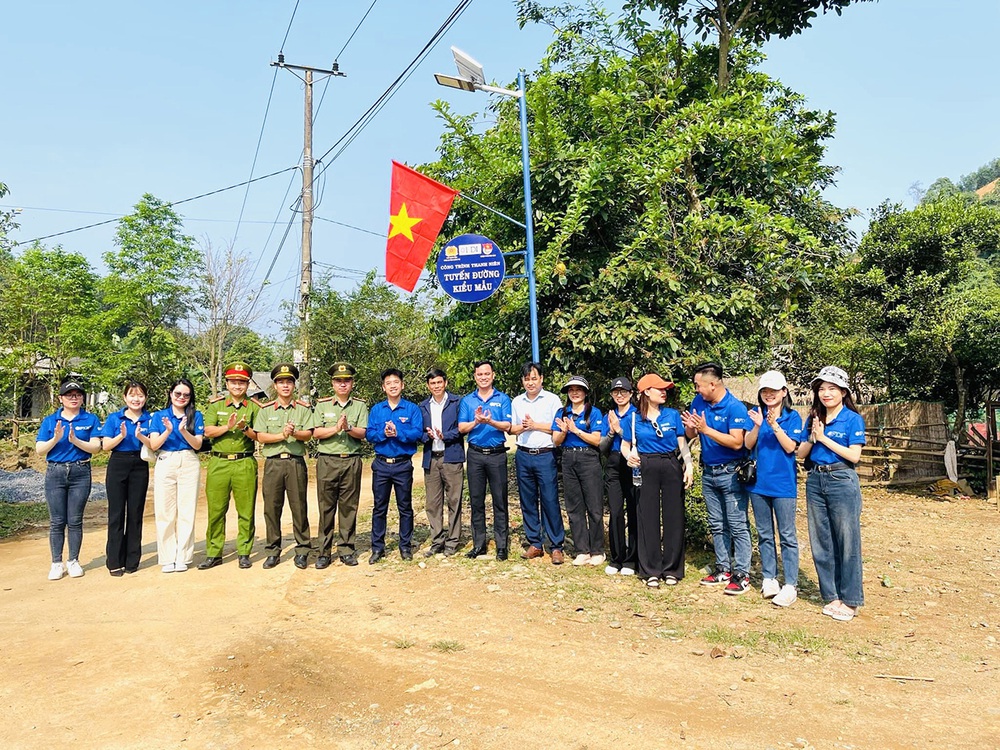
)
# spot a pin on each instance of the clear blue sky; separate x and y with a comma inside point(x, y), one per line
point(107, 101)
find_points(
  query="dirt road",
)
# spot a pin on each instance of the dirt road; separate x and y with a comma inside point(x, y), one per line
point(481, 654)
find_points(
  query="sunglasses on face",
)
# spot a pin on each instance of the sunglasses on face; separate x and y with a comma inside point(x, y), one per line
point(181, 395)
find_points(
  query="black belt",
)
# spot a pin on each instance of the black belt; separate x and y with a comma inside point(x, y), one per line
point(580, 448)
point(826, 468)
point(437, 454)
point(535, 451)
point(69, 463)
point(231, 456)
point(719, 468)
point(340, 455)
point(125, 453)
point(671, 454)
point(394, 459)
point(286, 456)
point(488, 451)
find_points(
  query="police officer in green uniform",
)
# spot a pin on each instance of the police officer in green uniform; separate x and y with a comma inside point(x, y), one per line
point(232, 468)
point(283, 428)
point(339, 424)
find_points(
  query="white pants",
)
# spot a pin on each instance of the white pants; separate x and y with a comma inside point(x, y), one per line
point(175, 499)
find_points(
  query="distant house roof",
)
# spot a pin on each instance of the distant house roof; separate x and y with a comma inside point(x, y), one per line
point(988, 188)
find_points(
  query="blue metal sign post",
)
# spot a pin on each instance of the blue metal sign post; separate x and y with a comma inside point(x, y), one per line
point(470, 268)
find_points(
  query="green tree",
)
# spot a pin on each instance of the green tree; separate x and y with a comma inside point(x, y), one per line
point(7, 224)
point(981, 177)
point(150, 288)
point(753, 21)
point(44, 296)
point(929, 276)
point(374, 328)
point(670, 220)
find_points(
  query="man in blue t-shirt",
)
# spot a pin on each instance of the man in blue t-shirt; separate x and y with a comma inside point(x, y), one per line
point(718, 419)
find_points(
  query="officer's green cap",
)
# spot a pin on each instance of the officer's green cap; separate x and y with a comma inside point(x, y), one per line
point(285, 370)
point(342, 371)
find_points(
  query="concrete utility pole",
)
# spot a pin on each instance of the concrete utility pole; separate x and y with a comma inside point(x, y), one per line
point(305, 279)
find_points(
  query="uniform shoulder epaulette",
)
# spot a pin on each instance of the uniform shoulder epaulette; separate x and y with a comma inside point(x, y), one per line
point(325, 400)
point(359, 400)
point(216, 399)
point(257, 401)
point(268, 403)
point(306, 404)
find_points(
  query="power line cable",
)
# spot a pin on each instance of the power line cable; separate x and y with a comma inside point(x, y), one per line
point(256, 152)
point(290, 20)
point(166, 205)
point(362, 122)
point(355, 30)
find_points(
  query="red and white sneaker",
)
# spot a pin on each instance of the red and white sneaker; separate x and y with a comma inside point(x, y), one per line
point(739, 583)
point(719, 578)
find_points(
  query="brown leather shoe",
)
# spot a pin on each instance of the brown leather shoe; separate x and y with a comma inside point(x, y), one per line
point(531, 553)
point(557, 557)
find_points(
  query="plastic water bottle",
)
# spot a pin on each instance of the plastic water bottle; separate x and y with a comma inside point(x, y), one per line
point(637, 477)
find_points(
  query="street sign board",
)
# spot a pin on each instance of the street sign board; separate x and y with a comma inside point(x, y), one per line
point(470, 268)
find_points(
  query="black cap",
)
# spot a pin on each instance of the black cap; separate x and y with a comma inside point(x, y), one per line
point(285, 370)
point(621, 384)
point(342, 371)
point(70, 385)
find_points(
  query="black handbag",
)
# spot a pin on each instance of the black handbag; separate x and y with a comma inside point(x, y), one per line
point(746, 470)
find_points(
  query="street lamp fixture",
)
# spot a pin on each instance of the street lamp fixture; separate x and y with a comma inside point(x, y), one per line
point(471, 78)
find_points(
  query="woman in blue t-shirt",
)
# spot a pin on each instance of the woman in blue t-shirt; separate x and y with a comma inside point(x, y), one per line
point(578, 428)
point(833, 493)
point(127, 479)
point(776, 433)
point(176, 432)
point(654, 446)
point(67, 438)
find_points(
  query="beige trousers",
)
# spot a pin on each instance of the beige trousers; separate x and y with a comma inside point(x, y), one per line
point(175, 499)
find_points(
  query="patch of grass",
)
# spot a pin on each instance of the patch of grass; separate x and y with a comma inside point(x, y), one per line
point(780, 640)
point(403, 643)
point(447, 647)
point(15, 517)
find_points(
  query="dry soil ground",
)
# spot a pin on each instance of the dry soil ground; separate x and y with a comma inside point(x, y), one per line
point(482, 654)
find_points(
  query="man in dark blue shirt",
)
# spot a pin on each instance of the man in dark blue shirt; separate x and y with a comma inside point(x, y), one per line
point(395, 428)
point(485, 416)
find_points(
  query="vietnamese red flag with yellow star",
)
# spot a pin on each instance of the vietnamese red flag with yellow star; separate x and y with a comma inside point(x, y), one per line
point(418, 207)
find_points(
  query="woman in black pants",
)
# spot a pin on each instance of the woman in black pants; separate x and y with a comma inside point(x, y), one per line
point(622, 527)
point(653, 442)
point(578, 428)
point(127, 480)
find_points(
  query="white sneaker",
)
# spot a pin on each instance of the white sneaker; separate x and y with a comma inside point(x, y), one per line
point(770, 588)
point(596, 560)
point(785, 597)
point(74, 569)
point(180, 567)
point(611, 570)
point(627, 571)
point(57, 571)
point(581, 559)
point(168, 568)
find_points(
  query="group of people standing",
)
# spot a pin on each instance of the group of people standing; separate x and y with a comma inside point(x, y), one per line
point(647, 469)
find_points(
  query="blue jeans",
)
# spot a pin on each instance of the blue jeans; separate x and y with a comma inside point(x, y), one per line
point(767, 510)
point(833, 501)
point(536, 484)
point(385, 478)
point(726, 503)
point(67, 489)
